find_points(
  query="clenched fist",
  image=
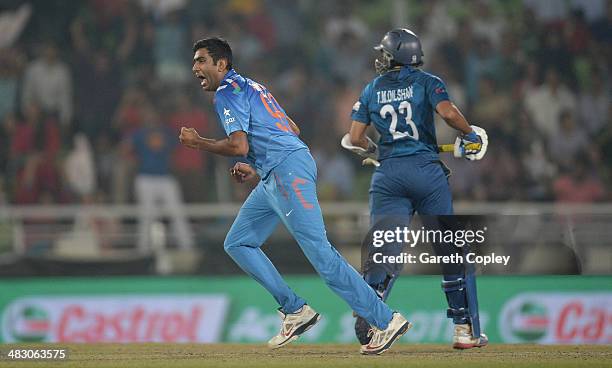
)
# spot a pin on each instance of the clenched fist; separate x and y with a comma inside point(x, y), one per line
point(189, 137)
point(242, 172)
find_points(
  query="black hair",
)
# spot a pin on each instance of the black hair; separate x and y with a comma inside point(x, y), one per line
point(217, 48)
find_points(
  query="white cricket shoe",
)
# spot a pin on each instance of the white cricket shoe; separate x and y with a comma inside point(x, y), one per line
point(293, 325)
point(463, 339)
point(383, 339)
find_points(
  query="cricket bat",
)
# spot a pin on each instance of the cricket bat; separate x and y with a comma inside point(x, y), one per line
point(442, 148)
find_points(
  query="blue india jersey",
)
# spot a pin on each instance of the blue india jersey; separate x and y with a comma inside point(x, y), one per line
point(243, 104)
point(401, 105)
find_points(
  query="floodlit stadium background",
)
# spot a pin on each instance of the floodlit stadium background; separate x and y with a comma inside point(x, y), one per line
point(79, 79)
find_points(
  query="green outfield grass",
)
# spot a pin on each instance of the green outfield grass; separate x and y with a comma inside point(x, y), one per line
point(303, 355)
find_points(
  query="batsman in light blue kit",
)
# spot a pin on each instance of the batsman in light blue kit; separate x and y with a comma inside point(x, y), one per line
point(257, 127)
point(400, 103)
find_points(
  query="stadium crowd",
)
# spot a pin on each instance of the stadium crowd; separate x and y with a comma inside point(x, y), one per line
point(93, 93)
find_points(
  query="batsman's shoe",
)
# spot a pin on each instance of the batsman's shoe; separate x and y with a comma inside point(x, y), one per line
point(293, 325)
point(362, 330)
point(381, 340)
point(463, 339)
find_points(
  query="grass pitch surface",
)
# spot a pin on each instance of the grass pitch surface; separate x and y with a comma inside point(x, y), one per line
point(306, 355)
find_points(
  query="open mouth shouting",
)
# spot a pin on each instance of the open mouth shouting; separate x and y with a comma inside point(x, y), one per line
point(203, 80)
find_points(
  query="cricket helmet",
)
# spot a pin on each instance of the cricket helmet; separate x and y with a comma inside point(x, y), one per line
point(400, 46)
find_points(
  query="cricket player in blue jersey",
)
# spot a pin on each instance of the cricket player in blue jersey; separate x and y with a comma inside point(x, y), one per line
point(257, 127)
point(401, 103)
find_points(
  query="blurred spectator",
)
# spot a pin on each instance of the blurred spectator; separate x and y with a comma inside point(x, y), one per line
point(140, 61)
point(576, 32)
point(341, 21)
point(593, 105)
point(494, 106)
point(465, 179)
point(12, 24)
point(529, 31)
point(568, 140)
point(539, 168)
point(34, 133)
point(108, 166)
point(344, 35)
point(438, 26)
point(251, 48)
point(512, 62)
point(289, 23)
point(11, 66)
point(47, 83)
point(604, 143)
point(495, 180)
point(547, 11)
point(92, 234)
point(578, 184)
point(592, 9)
point(105, 26)
point(95, 70)
point(153, 145)
point(480, 60)
point(345, 97)
point(171, 48)
point(124, 56)
point(486, 23)
point(79, 168)
point(336, 173)
point(35, 144)
point(129, 114)
point(38, 181)
point(260, 24)
point(554, 54)
point(345, 66)
point(602, 29)
point(191, 165)
point(529, 81)
point(3, 194)
point(289, 92)
point(104, 78)
point(546, 102)
point(160, 9)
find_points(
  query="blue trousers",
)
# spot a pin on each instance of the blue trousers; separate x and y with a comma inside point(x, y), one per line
point(288, 195)
point(400, 186)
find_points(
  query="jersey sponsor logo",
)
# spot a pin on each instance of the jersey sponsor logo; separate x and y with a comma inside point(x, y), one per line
point(439, 90)
point(228, 117)
point(356, 106)
point(400, 94)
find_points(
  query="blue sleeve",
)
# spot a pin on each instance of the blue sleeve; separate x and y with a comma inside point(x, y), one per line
point(436, 91)
point(360, 111)
point(233, 111)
